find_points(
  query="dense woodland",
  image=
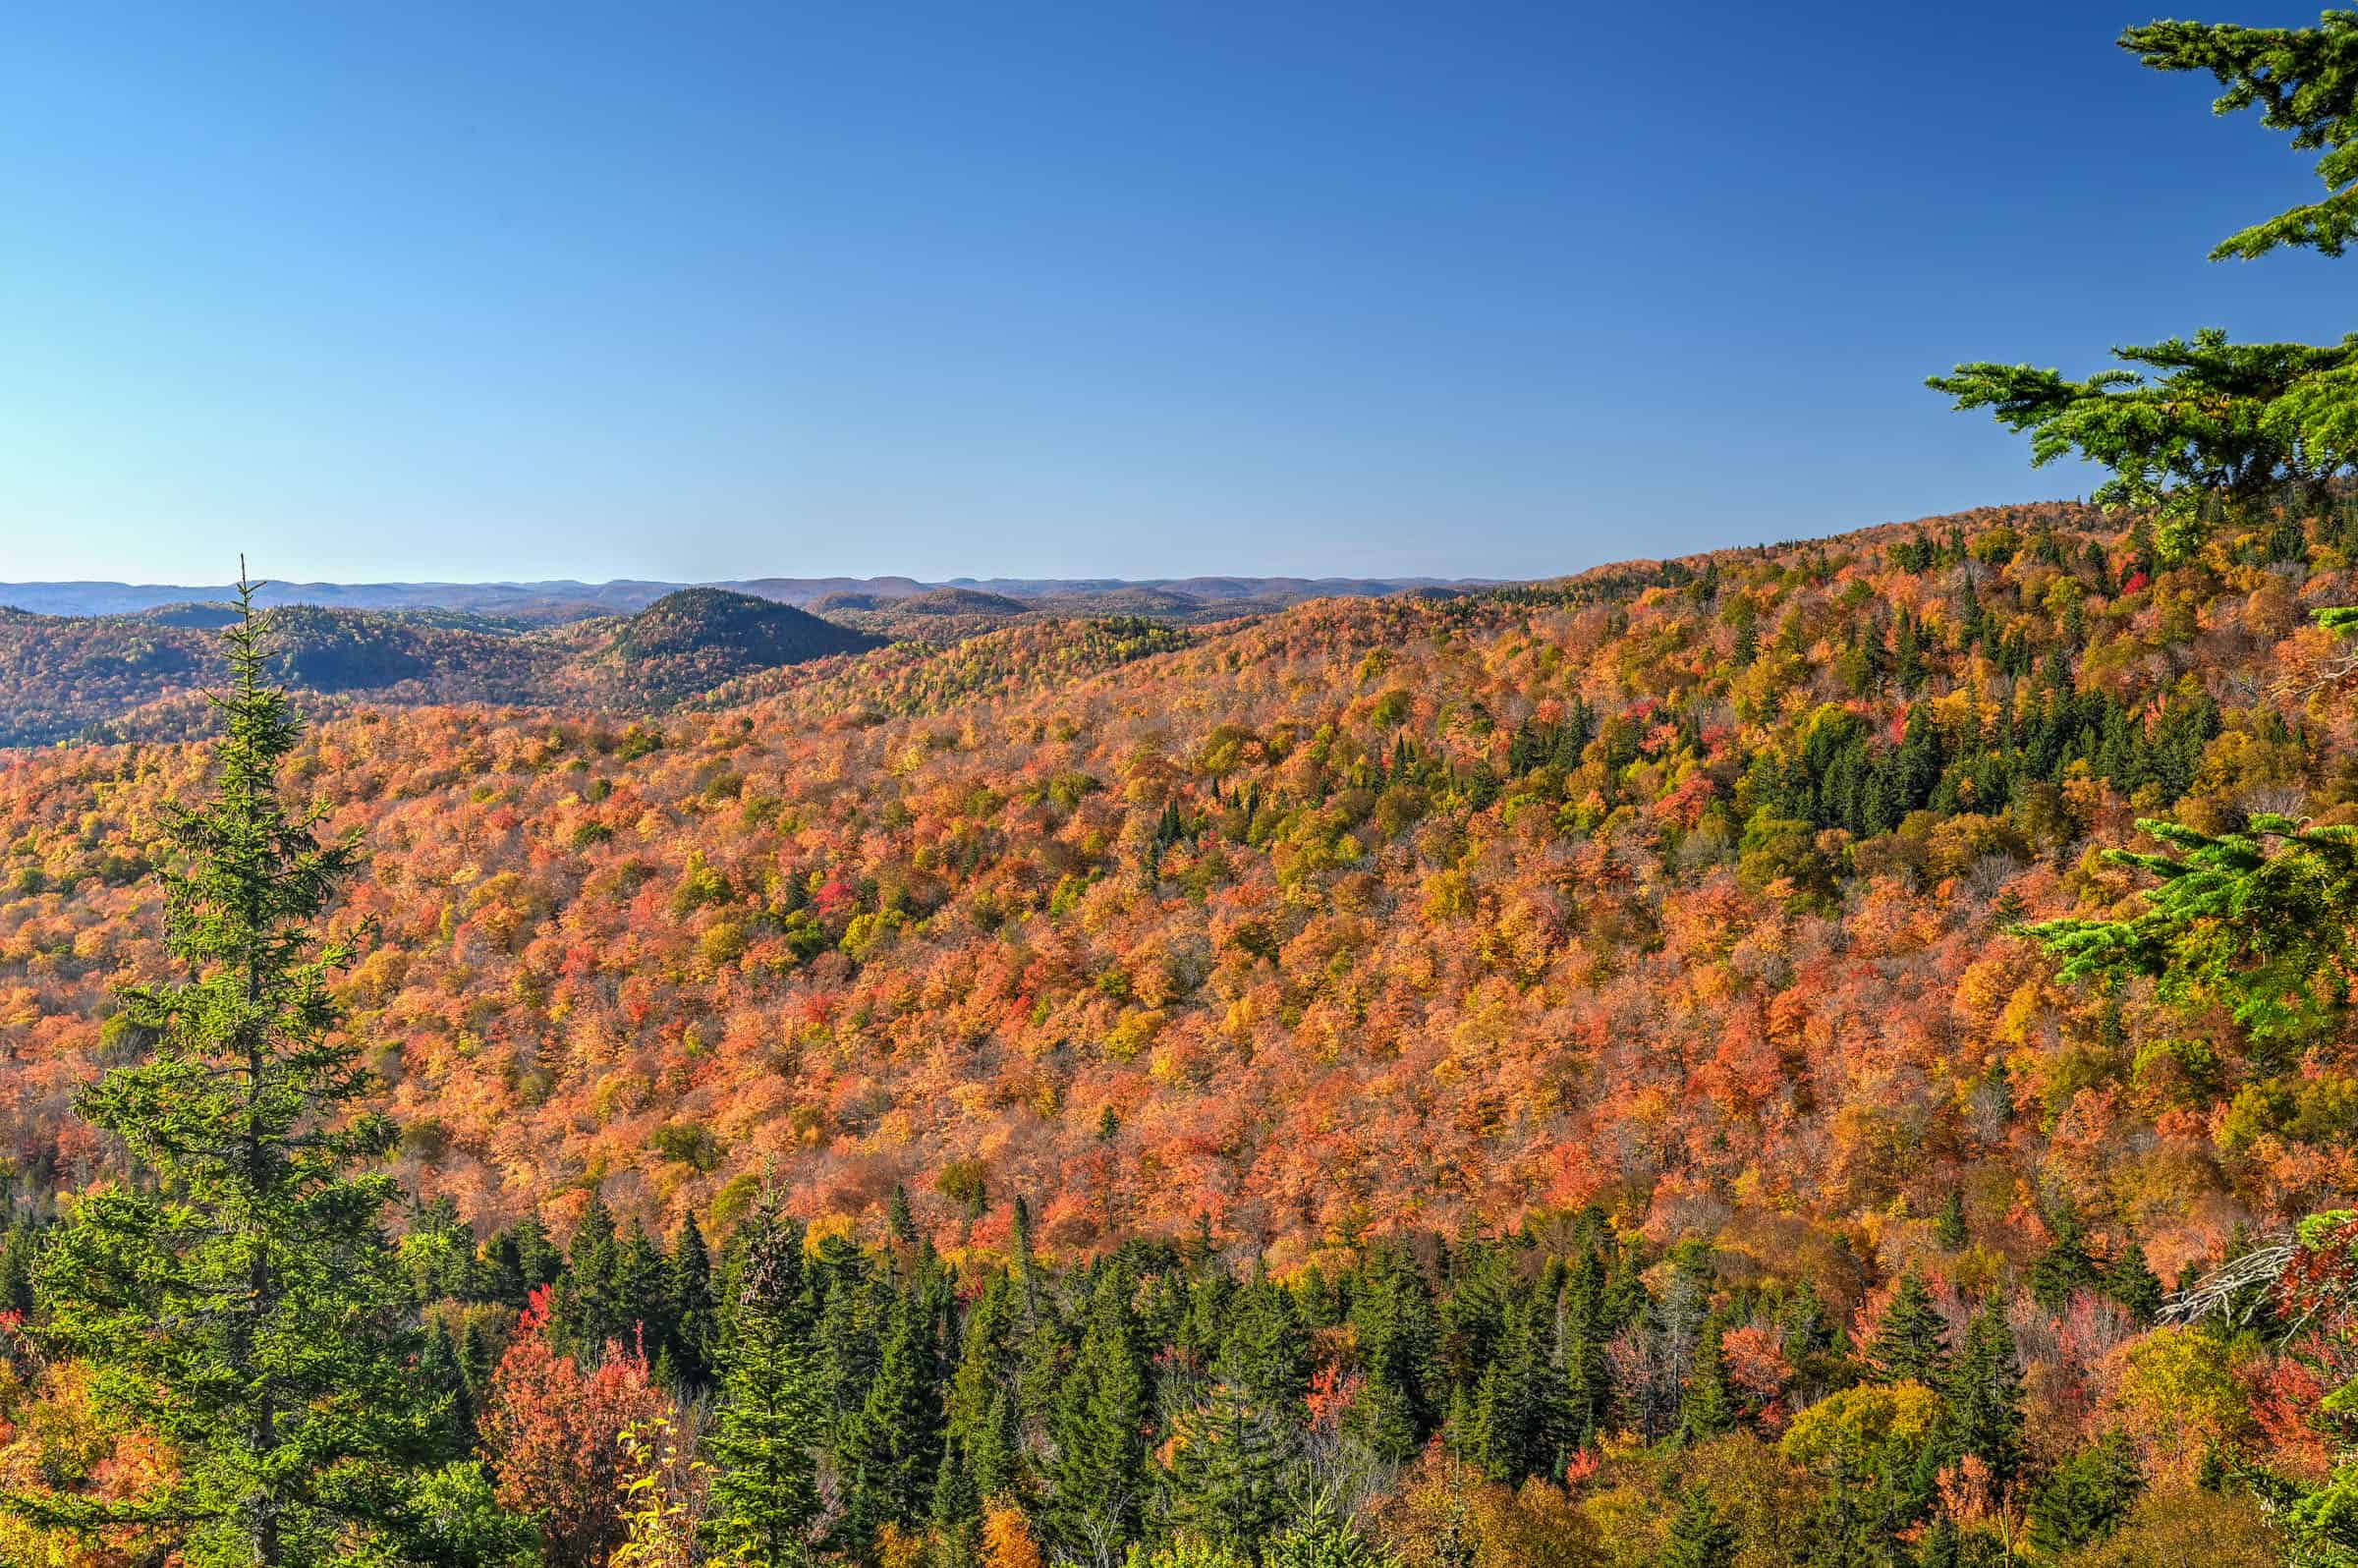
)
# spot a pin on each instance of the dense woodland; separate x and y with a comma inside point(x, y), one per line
point(142, 674)
point(115, 677)
point(1531, 1060)
point(1837, 1053)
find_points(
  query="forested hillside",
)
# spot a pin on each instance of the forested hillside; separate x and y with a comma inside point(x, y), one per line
point(1659, 920)
point(145, 676)
point(1841, 1054)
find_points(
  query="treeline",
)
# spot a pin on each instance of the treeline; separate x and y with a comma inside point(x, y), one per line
point(1562, 1389)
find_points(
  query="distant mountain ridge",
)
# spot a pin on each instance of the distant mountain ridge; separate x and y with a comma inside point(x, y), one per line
point(565, 599)
point(144, 673)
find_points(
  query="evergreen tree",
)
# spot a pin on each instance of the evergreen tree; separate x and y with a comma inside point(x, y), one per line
point(1587, 1400)
point(519, 1261)
point(1321, 1541)
point(1272, 1348)
point(19, 1256)
point(1709, 1408)
point(954, 1511)
point(849, 1329)
point(643, 1295)
point(444, 1383)
point(1230, 1458)
point(478, 1355)
point(1952, 1233)
point(1517, 1415)
point(771, 1416)
point(1700, 1536)
point(1027, 1260)
point(981, 1419)
point(695, 1313)
point(890, 1451)
point(2064, 1266)
point(588, 1309)
point(1985, 1396)
point(241, 1295)
point(1399, 1334)
point(1907, 1344)
point(2131, 1281)
point(1099, 1431)
point(2086, 1497)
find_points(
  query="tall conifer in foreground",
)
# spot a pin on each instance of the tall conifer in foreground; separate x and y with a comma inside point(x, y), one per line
point(772, 1412)
point(238, 1295)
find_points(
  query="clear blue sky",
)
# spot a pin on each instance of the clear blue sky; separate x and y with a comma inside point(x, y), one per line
point(499, 290)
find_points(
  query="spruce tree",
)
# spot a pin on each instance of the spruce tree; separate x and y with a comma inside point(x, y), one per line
point(239, 1293)
point(849, 1329)
point(1700, 1536)
point(20, 1256)
point(478, 1356)
point(589, 1309)
point(642, 1296)
point(519, 1261)
point(1399, 1334)
point(1230, 1460)
point(2086, 1497)
point(2131, 1281)
point(1271, 1347)
point(1098, 1429)
point(1985, 1396)
point(444, 1381)
point(1709, 1408)
point(1952, 1233)
point(1321, 1541)
point(2064, 1266)
point(772, 1415)
point(890, 1451)
point(695, 1313)
point(901, 1218)
point(981, 1419)
point(1907, 1343)
point(1517, 1415)
point(1587, 1399)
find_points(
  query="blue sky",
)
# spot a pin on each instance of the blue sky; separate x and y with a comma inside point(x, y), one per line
point(696, 291)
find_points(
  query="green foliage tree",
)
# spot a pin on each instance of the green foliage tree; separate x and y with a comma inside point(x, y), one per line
point(1320, 1540)
point(772, 1412)
point(589, 1308)
point(2207, 420)
point(1953, 1232)
point(1985, 1396)
point(2131, 1281)
point(694, 1314)
point(2086, 1497)
point(2264, 920)
point(2301, 80)
point(890, 1451)
point(2065, 1266)
point(1399, 1337)
point(2239, 422)
point(240, 1296)
point(1710, 1407)
point(1908, 1344)
point(1229, 1477)
point(1701, 1536)
point(1098, 1426)
point(1517, 1412)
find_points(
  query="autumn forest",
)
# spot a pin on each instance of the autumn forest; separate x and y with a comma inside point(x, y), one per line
point(1835, 1052)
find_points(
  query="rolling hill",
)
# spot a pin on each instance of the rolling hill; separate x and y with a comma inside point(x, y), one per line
point(144, 674)
point(1638, 955)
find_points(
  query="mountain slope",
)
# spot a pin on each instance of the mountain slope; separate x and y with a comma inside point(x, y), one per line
point(1679, 887)
point(144, 675)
